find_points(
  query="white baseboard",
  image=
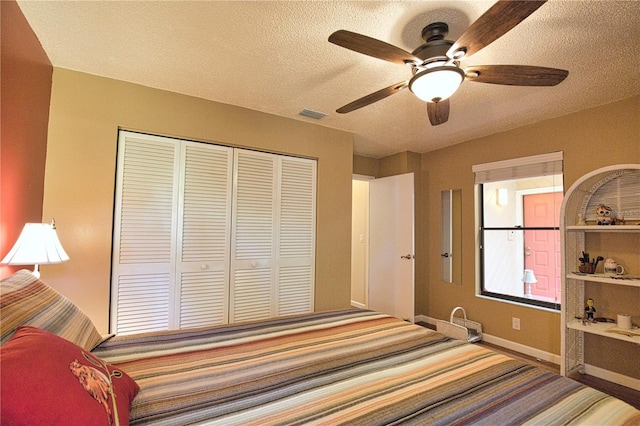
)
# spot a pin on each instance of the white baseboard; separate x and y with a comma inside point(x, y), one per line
point(523, 349)
point(424, 318)
point(507, 344)
point(611, 376)
point(591, 370)
point(358, 305)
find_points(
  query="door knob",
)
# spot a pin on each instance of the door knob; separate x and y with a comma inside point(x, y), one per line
point(409, 256)
point(445, 255)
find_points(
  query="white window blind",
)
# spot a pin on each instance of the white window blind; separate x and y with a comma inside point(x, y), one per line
point(535, 165)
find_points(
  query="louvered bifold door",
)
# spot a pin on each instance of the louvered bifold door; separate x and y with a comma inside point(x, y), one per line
point(296, 236)
point(252, 240)
point(204, 232)
point(145, 220)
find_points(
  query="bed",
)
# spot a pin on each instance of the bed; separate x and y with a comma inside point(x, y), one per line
point(354, 367)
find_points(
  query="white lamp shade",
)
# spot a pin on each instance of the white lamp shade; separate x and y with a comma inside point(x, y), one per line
point(436, 84)
point(37, 244)
point(529, 277)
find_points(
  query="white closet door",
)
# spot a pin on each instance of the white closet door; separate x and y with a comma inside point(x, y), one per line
point(204, 230)
point(207, 235)
point(144, 239)
point(296, 236)
point(253, 237)
point(273, 237)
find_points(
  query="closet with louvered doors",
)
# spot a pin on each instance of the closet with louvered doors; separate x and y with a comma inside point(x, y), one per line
point(207, 234)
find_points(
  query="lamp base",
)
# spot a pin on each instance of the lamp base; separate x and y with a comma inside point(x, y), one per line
point(36, 271)
point(527, 293)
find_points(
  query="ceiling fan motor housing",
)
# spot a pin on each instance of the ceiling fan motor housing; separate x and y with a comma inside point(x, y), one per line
point(433, 52)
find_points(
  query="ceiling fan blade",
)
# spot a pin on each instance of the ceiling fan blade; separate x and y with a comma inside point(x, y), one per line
point(493, 24)
point(438, 112)
point(372, 97)
point(516, 75)
point(372, 47)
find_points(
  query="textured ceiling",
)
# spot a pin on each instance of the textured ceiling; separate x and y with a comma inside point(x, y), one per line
point(273, 56)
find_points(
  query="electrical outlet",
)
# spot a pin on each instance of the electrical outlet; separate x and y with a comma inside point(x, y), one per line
point(515, 323)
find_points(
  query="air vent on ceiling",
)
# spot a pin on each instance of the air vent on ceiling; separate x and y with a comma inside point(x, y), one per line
point(316, 115)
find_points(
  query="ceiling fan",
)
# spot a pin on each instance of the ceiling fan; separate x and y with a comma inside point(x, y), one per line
point(436, 64)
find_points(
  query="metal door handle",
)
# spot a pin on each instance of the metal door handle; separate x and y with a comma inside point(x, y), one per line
point(409, 256)
point(445, 255)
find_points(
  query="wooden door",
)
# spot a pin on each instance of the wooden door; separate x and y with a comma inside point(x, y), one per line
point(542, 246)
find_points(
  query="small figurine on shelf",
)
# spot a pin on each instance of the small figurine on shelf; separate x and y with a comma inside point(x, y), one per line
point(590, 310)
point(605, 215)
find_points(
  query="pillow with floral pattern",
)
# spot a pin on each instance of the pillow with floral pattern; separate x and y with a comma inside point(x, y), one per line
point(49, 380)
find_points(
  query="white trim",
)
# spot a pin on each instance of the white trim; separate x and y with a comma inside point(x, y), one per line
point(612, 376)
point(523, 349)
point(356, 176)
point(522, 161)
point(424, 318)
point(358, 305)
point(507, 344)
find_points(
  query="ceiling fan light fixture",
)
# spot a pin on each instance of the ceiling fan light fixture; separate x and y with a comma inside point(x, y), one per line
point(459, 54)
point(436, 84)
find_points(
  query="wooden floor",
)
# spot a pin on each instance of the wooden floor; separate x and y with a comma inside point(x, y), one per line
point(630, 396)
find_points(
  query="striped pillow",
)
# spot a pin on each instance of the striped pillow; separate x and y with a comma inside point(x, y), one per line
point(25, 300)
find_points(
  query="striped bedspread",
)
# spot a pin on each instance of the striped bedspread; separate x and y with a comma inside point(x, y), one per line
point(352, 367)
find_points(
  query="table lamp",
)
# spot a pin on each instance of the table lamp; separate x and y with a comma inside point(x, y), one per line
point(528, 278)
point(38, 244)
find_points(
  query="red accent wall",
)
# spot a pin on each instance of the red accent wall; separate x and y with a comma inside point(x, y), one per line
point(25, 84)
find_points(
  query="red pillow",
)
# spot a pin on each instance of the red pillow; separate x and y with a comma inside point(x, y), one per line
point(48, 380)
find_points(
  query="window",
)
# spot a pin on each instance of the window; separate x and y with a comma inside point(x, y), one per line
point(519, 215)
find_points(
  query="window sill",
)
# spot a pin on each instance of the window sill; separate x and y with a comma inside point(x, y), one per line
point(517, 302)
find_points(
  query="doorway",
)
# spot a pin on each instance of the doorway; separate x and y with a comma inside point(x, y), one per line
point(360, 241)
point(383, 245)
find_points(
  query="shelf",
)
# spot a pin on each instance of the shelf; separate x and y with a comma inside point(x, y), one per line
point(602, 228)
point(606, 278)
point(602, 329)
point(618, 187)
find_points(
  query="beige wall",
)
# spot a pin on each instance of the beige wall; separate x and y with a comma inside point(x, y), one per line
point(85, 115)
point(590, 139)
point(365, 166)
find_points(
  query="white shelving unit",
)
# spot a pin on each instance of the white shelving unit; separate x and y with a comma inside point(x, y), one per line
point(618, 187)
